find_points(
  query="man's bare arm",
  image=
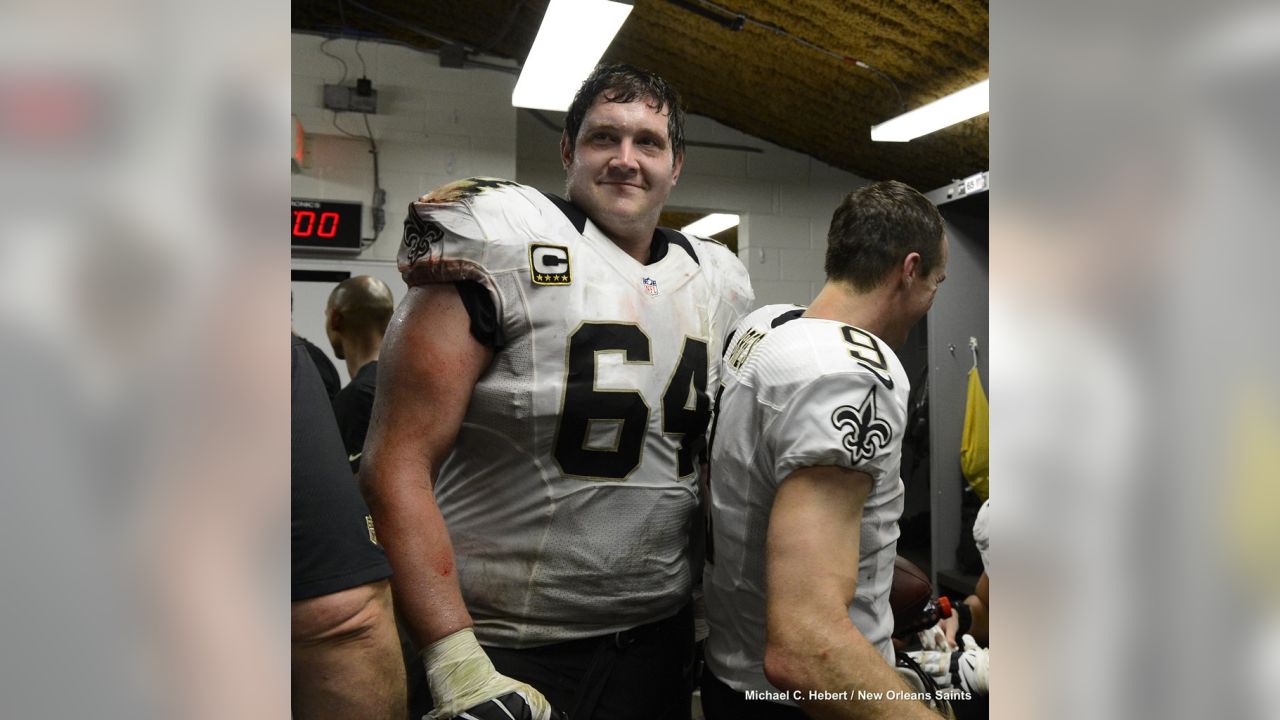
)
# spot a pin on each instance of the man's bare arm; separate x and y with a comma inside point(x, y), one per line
point(428, 366)
point(346, 656)
point(813, 547)
point(977, 604)
point(980, 608)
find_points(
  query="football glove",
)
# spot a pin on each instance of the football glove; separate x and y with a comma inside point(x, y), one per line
point(935, 658)
point(966, 669)
point(970, 667)
point(937, 663)
point(935, 638)
point(465, 684)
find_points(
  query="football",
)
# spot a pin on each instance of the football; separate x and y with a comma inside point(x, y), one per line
point(909, 595)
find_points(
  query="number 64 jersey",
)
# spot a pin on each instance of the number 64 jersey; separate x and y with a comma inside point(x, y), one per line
point(798, 392)
point(571, 488)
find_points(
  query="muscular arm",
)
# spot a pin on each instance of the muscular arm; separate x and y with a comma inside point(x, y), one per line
point(812, 568)
point(428, 366)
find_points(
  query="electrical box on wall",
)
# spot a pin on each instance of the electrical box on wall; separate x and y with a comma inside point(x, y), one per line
point(362, 98)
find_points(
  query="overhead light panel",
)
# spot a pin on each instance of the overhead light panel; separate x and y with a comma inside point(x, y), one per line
point(573, 36)
point(712, 224)
point(956, 107)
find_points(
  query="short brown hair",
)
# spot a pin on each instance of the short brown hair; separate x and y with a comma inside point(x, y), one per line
point(878, 225)
point(623, 84)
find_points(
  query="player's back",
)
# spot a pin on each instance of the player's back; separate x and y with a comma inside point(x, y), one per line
point(797, 392)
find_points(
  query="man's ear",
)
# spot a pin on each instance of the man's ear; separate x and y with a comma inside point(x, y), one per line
point(677, 166)
point(566, 152)
point(911, 267)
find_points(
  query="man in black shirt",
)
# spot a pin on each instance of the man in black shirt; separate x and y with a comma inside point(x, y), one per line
point(346, 657)
point(328, 373)
point(324, 366)
point(356, 317)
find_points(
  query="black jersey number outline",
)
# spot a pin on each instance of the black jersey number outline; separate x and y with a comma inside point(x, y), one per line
point(864, 348)
point(584, 405)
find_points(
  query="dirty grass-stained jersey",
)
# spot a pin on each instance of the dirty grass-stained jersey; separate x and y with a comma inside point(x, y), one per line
point(798, 392)
point(571, 488)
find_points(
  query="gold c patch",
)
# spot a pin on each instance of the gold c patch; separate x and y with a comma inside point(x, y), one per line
point(549, 264)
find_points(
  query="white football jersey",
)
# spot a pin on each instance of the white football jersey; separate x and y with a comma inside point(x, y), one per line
point(798, 392)
point(571, 489)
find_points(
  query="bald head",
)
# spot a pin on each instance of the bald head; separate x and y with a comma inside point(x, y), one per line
point(358, 311)
point(363, 300)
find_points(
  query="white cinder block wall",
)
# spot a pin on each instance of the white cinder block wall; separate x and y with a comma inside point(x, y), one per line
point(435, 125)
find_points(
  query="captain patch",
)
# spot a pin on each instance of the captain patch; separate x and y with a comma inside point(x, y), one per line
point(549, 264)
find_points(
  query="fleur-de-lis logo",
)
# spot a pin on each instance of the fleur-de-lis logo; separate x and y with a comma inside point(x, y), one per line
point(865, 433)
point(419, 236)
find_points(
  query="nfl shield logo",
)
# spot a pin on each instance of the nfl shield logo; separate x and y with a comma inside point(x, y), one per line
point(651, 286)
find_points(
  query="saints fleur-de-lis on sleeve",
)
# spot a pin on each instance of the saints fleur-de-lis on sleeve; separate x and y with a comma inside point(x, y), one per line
point(419, 236)
point(865, 433)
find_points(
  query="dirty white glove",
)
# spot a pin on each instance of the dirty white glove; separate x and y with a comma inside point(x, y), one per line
point(463, 679)
point(965, 669)
point(935, 659)
point(935, 638)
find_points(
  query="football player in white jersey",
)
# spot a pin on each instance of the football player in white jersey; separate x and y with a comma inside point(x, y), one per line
point(805, 494)
point(543, 392)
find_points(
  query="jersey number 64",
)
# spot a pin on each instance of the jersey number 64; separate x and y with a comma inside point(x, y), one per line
point(602, 432)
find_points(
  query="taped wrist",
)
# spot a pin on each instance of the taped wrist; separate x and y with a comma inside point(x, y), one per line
point(459, 673)
point(461, 677)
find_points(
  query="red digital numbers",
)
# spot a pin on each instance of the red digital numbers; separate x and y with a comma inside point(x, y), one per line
point(305, 224)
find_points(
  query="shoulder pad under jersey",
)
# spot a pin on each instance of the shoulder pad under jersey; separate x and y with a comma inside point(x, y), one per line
point(467, 230)
point(731, 278)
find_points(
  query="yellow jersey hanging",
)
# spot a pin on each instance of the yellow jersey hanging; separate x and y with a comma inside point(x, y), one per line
point(974, 443)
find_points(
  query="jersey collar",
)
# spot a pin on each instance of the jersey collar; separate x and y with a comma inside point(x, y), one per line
point(663, 238)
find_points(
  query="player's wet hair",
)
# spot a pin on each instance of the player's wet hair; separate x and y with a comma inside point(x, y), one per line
point(623, 84)
point(875, 227)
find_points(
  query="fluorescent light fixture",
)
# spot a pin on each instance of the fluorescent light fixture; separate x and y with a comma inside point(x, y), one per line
point(573, 36)
point(711, 224)
point(956, 107)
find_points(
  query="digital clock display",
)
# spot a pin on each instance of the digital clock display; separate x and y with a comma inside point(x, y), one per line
point(325, 224)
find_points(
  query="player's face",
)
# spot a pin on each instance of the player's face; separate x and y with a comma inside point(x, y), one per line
point(622, 168)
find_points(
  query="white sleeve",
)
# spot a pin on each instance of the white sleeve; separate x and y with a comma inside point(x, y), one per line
point(459, 231)
point(982, 535)
point(846, 420)
point(443, 241)
point(734, 289)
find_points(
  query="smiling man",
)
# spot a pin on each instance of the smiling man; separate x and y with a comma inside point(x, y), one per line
point(626, 164)
point(543, 395)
